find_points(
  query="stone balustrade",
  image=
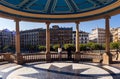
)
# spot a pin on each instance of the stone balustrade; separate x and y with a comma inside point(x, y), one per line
point(35, 57)
point(1, 57)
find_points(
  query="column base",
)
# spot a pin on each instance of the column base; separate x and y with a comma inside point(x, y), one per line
point(107, 58)
point(118, 57)
point(48, 57)
point(77, 57)
point(19, 59)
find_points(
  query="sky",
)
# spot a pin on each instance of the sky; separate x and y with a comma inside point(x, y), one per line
point(84, 26)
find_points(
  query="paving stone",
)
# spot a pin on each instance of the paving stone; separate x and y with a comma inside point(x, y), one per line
point(59, 70)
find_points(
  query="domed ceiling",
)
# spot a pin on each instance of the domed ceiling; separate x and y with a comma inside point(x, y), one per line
point(57, 9)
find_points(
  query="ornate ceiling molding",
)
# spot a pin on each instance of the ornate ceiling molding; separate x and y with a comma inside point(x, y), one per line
point(52, 8)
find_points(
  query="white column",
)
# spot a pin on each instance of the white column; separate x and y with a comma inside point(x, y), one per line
point(77, 37)
point(107, 29)
point(17, 37)
point(107, 56)
point(19, 58)
point(47, 37)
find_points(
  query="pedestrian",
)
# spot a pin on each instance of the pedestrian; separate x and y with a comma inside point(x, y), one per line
point(59, 53)
point(69, 53)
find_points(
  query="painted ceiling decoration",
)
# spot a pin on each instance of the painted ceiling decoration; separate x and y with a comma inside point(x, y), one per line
point(55, 7)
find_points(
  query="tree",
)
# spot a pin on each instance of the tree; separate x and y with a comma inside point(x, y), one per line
point(30, 48)
point(83, 47)
point(6, 48)
point(56, 46)
point(114, 45)
point(12, 48)
point(71, 46)
point(51, 48)
point(89, 45)
point(94, 46)
point(103, 46)
point(42, 48)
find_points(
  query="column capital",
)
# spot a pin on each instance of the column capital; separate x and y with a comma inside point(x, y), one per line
point(47, 23)
point(107, 17)
point(77, 22)
point(16, 20)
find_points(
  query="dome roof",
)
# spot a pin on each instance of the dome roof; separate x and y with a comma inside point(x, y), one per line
point(57, 9)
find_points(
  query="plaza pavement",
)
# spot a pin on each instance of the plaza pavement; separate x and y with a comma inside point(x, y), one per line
point(59, 70)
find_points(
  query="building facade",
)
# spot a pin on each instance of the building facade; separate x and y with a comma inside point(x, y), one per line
point(97, 35)
point(60, 35)
point(83, 37)
point(115, 34)
point(7, 38)
point(34, 37)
